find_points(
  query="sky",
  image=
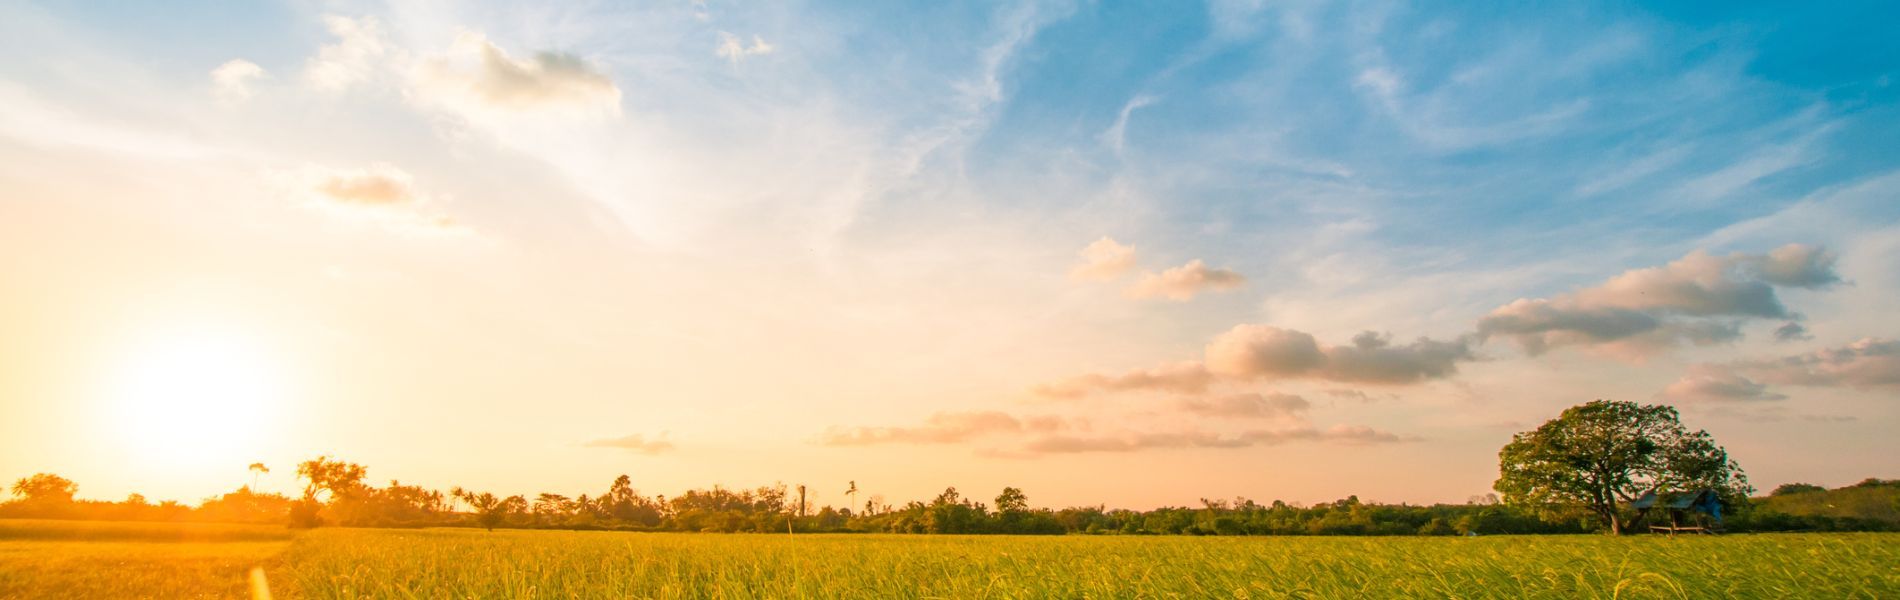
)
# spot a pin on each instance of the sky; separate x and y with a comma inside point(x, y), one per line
point(1134, 254)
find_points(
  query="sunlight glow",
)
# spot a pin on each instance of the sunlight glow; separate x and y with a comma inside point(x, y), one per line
point(193, 400)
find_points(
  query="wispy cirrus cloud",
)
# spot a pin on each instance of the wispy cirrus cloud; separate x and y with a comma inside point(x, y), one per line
point(1184, 377)
point(1133, 442)
point(635, 443)
point(1866, 364)
point(940, 428)
point(1249, 405)
point(1184, 282)
point(379, 193)
point(734, 49)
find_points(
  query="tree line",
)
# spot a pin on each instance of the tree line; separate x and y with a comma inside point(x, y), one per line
point(1598, 466)
point(337, 493)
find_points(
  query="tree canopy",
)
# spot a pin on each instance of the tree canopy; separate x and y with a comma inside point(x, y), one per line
point(1603, 454)
point(45, 488)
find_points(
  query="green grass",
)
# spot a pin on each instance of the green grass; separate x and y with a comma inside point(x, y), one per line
point(446, 563)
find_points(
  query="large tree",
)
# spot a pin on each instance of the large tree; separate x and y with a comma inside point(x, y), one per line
point(45, 488)
point(1603, 454)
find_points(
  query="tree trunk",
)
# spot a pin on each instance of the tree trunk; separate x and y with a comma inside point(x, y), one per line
point(1616, 527)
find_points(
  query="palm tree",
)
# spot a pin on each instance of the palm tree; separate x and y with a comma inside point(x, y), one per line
point(853, 492)
point(257, 468)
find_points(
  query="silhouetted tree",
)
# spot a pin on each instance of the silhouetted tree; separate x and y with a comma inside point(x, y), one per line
point(853, 493)
point(257, 468)
point(551, 509)
point(45, 489)
point(336, 477)
point(491, 511)
point(343, 484)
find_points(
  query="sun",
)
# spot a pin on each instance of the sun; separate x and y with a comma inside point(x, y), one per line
point(196, 398)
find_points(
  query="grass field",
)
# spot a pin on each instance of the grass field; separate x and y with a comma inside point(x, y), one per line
point(47, 559)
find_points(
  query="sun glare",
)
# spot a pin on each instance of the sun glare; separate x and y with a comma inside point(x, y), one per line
point(191, 400)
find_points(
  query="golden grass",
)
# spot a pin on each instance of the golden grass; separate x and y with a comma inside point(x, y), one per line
point(459, 563)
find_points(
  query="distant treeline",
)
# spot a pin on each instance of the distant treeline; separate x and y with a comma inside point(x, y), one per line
point(337, 495)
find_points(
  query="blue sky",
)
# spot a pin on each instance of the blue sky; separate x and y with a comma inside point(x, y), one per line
point(1017, 242)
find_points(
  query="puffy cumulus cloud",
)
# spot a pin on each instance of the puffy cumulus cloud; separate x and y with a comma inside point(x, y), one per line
point(1264, 351)
point(1710, 383)
point(1248, 406)
point(941, 428)
point(379, 193)
point(1023, 437)
point(1261, 350)
point(1103, 260)
point(1699, 299)
point(1870, 363)
point(355, 57)
point(1184, 282)
point(733, 49)
point(231, 81)
point(1795, 265)
point(1132, 442)
point(1184, 377)
point(635, 443)
point(476, 76)
point(1371, 358)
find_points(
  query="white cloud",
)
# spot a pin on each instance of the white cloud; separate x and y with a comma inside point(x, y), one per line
point(1103, 260)
point(231, 81)
point(1116, 135)
point(355, 57)
point(733, 49)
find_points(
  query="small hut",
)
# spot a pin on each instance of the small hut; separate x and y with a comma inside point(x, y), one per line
point(1694, 511)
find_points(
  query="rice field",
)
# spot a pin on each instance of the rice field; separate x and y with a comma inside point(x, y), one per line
point(43, 559)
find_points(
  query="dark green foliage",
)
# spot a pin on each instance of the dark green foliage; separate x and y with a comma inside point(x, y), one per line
point(1795, 488)
point(1871, 505)
point(1602, 455)
point(337, 495)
